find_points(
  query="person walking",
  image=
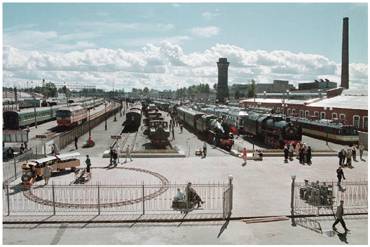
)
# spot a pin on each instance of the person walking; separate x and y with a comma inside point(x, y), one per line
point(286, 153)
point(204, 149)
point(47, 174)
point(244, 156)
point(340, 175)
point(88, 164)
point(128, 153)
point(361, 149)
point(76, 141)
point(339, 217)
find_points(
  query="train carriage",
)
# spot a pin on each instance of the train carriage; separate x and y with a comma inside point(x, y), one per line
point(329, 130)
point(24, 118)
point(71, 116)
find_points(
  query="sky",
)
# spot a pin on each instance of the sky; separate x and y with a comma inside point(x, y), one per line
point(170, 45)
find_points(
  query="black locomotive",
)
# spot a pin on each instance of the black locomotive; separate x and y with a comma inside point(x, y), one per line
point(133, 120)
point(158, 132)
point(273, 129)
point(208, 126)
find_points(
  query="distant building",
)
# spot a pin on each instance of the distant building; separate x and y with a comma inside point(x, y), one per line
point(317, 84)
point(350, 108)
point(222, 87)
point(278, 86)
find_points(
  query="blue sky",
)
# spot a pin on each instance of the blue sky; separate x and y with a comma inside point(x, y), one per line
point(167, 41)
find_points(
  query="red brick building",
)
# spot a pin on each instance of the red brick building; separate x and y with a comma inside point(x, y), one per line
point(349, 109)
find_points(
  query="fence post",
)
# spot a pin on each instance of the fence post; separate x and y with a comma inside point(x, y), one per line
point(15, 168)
point(98, 199)
point(143, 199)
point(231, 194)
point(53, 195)
point(292, 200)
point(7, 197)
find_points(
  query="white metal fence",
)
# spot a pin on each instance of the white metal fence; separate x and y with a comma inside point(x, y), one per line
point(112, 199)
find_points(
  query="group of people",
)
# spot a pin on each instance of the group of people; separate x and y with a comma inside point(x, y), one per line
point(316, 193)
point(191, 198)
point(302, 151)
point(346, 156)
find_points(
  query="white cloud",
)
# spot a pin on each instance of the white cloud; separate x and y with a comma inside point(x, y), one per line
point(165, 65)
point(210, 15)
point(205, 32)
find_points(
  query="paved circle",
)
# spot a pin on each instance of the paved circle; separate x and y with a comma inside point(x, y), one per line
point(163, 187)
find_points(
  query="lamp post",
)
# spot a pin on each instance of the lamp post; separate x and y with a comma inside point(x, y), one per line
point(105, 114)
point(327, 124)
point(34, 110)
point(89, 125)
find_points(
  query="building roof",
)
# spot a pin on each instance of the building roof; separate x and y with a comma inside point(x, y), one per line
point(344, 101)
point(274, 101)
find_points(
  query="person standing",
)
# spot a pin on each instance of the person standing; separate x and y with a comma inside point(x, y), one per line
point(128, 153)
point(341, 157)
point(349, 157)
point(340, 175)
point(88, 164)
point(47, 174)
point(173, 132)
point(76, 141)
point(244, 156)
point(354, 152)
point(291, 152)
point(204, 149)
point(297, 149)
point(309, 155)
point(339, 217)
point(286, 153)
point(181, 127)
point(110, 156)
point(361, 149)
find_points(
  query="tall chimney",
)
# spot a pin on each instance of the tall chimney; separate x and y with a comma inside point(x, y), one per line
point(345, 60)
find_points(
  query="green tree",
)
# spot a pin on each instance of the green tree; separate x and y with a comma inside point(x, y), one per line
point(252, 89)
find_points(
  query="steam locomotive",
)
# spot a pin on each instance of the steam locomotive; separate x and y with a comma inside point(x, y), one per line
point(275, 130)
point(208, 126)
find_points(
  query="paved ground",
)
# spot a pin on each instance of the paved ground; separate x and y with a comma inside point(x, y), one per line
point(236, 232)
point(260, 188)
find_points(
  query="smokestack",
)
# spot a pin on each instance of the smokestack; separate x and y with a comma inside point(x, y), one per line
point(345, 60)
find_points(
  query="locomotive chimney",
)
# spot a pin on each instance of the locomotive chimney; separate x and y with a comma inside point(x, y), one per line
point(345, 60)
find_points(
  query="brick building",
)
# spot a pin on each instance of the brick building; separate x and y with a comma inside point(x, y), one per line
point(349, 109)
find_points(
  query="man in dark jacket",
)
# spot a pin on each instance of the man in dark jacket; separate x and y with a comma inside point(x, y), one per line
point(286, 153)
point(340, 175)
point(339, 217)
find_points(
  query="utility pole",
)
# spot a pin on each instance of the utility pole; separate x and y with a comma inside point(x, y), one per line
point(34, 111)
